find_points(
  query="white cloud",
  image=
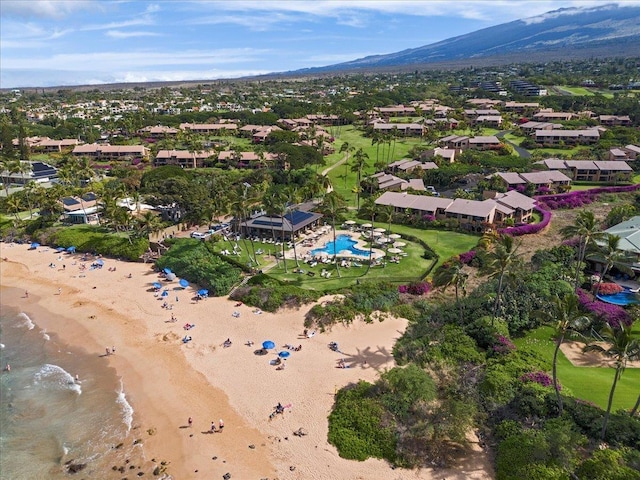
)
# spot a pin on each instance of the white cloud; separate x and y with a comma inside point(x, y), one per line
point(45, 8)
point(117, 60)
point(123, 34)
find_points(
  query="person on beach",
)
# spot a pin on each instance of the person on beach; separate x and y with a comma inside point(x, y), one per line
point(220, 425)
point(7, 368)
point(108, 351)
point(213, 427)
point(190, 421)
point(59, 291)
point(26, 294)
point(113, 350)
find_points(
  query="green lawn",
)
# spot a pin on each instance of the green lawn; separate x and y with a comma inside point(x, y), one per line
point(581, 91)
point(588, 383)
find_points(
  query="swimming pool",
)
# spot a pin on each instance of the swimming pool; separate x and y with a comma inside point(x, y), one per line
point(343, 242)
point(622, 298)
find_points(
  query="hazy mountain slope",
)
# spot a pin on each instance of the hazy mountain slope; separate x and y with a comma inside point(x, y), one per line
point(611, 26)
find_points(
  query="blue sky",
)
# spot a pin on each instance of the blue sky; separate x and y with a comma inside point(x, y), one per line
point(72, 42)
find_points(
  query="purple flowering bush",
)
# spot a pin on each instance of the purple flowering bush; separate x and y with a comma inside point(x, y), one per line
point(467, 257)
point(580, 198)
point(607, 312)
point(420, 288)
point(529, 228)
point(541, 378)
point(503, 345)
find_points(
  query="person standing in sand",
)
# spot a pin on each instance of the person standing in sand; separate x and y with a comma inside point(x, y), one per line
point(220, 425)
point(213, 427)
point(190, 421)
point(108, 351)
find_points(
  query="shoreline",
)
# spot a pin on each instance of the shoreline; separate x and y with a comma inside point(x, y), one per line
point(167, 381)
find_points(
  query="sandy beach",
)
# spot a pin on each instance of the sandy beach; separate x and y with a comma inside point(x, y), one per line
point(168, 381)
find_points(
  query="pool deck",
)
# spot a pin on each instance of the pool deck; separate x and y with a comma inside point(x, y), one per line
point(305, 246)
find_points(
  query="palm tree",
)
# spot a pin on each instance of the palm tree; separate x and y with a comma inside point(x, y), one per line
point(333, 206)
point(568, 318)
point(370, 209)
point(359, 161)
point(622, 348)
point(587, 230)
point(14, 205)
point(610, 254)
point(292, 193)
point(347, 149)
point(243, 201)
point(29, 191)
point(148, 223)
point(453, 275)
point(501, 261)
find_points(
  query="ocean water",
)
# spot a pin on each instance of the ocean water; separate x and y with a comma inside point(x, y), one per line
point(47, 418)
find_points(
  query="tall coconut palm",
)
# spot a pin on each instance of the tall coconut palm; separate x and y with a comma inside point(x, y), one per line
point(587, 230)
point(292, 195)
point(566, 315)
point(242, 203)
point(609, 253)
point(501, 261)
point(147, 224)
point(453, 275)
point(14, 205)
point(346, 149)
point(622, 347)
point(359, 162)
point(333, 207)
point(370, 210)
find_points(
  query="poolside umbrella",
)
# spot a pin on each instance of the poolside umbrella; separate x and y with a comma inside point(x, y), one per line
point(203, 293)
point(157, 285)
point(394, 250)
point(399, 244)
point(170, 276)
point(379, 229)
point(183, 283)
point(350, 222)
point(71, 249)
point(394, 236)
point(167, 271)
point(377, 234)
point(366, 225)
point(284, 354)
point(268, 344)
point(35, 245)
point(382, 240)
point(165, 293)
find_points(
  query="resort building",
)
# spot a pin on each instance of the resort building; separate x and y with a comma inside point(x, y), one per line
point(590, 170)
point(567, 137)
point(551, 179)
point(158, 131)
point(106, 152)
point(39, 172)
point(214, 128)
point(285, 227)
point(182, 158)
point(471, 214)
point(80, 209)
point(629, 233)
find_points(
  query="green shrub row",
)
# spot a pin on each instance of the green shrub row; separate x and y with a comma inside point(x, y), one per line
point(95, 240)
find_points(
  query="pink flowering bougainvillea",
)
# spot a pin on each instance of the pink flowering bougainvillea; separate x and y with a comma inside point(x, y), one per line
point(612, 314)
point(541, 378)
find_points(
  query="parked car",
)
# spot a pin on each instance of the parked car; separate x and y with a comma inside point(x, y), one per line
point(199, 235)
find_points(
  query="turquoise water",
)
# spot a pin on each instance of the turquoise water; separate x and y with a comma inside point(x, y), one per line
point(343, 242)
point(48, 418)
point(622, 298)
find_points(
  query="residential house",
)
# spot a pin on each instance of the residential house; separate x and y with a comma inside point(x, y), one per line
point(210, 128)
point(485, 142)
point(56, 146)
point(590, 170)
point(550, 116)
point(455, 142)
point(247, 159)
point(529, 128)
point(521, 107)
point(493, 121)
point(39, 172)
point(421, 204)
point(396, 111)
point(522, 205)
point(448, 155)
point(633, 151)
point(406, 129)
point(618, 154)
point(615, 120)
point(567, 137)
point(182, 158)
point(80, 209)
point(158, 131)
point(106, 152)
point(550, 179)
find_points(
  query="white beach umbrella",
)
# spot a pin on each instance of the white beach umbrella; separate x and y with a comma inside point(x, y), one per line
point(399, 244)
point(350, 222)
point(366, 225)
point(379, 229)
point(394, 250)
point(395, 236)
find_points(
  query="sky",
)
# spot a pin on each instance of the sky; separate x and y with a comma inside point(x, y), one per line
point(78, 42)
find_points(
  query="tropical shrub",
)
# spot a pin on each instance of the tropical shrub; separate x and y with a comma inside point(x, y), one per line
point(608, 288)
point(609, 464)
point(96, 240)
point(359, 426)
point(607, 312)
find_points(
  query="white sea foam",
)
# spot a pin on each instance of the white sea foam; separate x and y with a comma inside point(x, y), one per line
point(27, 321)
point(53, 376)
point(127, 409)
point(45, 335)
point(1, 346)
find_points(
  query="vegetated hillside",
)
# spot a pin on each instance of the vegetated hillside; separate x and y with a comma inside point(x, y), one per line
point(607, 30)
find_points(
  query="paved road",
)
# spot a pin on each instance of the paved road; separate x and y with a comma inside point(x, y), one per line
point(519, 150)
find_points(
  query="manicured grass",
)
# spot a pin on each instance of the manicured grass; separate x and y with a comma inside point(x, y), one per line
point(588, 383)
point(513, 138)
point(554, 152)
point(582, 91)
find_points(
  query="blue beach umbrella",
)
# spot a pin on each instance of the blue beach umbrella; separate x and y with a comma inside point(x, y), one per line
point(35, 245)
point(203, 293)
point(157, 285)
point(183, 283)
point(167, 271)
point(165, 293)
point(99, 262)
point(71, 249)
point(284, 354)
point(268, 344)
